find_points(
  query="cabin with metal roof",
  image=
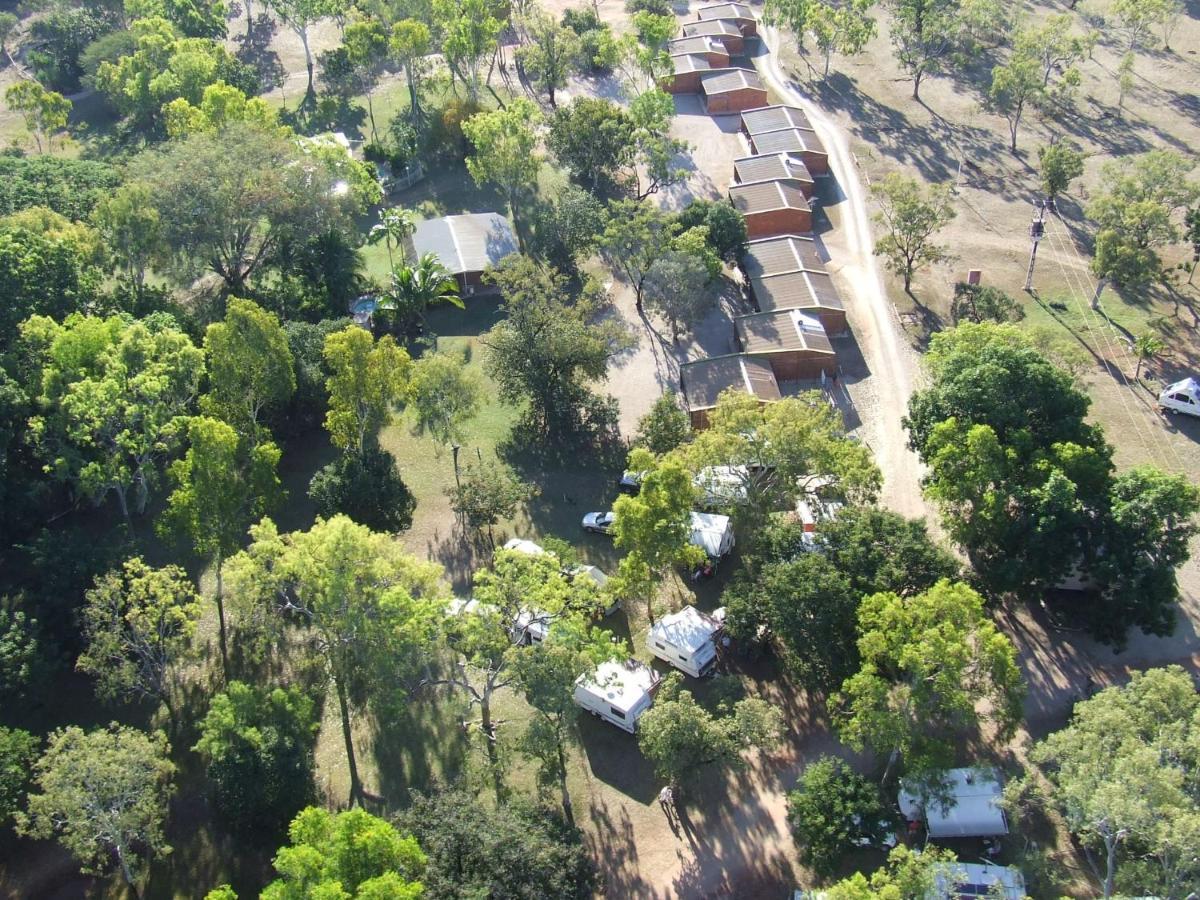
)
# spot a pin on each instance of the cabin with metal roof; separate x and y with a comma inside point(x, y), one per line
point(704, 380)
point(810, 292)
point(706, 45)
point(466, 245)
point(793, 342)
point(772, 167)
point(777, 255)
point(732, 12)
point(799, 142)
point(774, 118)
point(689, 68)
point(731, 90)
point(772, 207)
point(728, 33)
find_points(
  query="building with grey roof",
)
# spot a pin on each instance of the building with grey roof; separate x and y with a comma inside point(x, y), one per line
point(466, 245)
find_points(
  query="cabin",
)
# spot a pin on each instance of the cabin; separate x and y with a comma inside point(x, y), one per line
point(774, 118)
point(965, 803)
point(688, 69)
point(787, 272)
point(772, 208)
point(618, 692)
point(731, 90)
point(722, 30)
point(781, 254)
point(713, 534)
point(687, 640)
point(773, 167)
point(795, 141)
point(701, 382)
point(466, 246)
point(704, 45)
point(793, 342)
point(738, 13)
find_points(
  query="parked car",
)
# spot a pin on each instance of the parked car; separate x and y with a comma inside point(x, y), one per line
point(1181, 397)
point(599, 522)
point(630, 483)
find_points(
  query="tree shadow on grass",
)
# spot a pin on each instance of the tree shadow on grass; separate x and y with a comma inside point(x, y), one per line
point(420, 744)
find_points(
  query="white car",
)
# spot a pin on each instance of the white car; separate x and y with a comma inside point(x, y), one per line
point(599, 522)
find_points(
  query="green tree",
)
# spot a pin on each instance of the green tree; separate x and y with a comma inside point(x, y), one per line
point(139, 623)
point(396, 224)
point(552, 54)
point(726, 226)
point(444, 395)
point(70, 187)
point(983, 303)
point(924, 35)
point(679, 736)
point(1059, 165)
point(845, 28)
point(1055, 47)
point(928, 663)
point(366, 606)
point(1015, 85)
point(350, 854)
point(832, 811)
point(665, 427)
point(45, 112)
point(367, 488)
point(414, 289)
point(250, 371)
point(594, 138)
point(20, 652)
point(657, 152)
point(487, 493)
point(258, 744)
point(1146, 347)
point(469, 33)
point(549, 347)
point(677, 288)
point(227, 201)
point(132, 230)
point(103, 795)
point(368, 378)
point(1123, 774)
point(110, 395)
point(367, 46)
point(410, 44)
point(220, 106)
point(795, 15)
point(222, 486)
point(18, 752)
point(299, 16)
point(638, 236)
point(519, 590)
point(504, 151)
point(910, 218)
point(8, 28)
point(908, 873)
point(45, 274)
point(655, 526)
point(193, 18)
point(479, 849)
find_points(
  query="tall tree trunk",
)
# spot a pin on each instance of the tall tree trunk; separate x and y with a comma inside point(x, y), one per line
point(220, 563)
point(489, 735)
point(356, 788)
point(127, 873)
point(309, 93)
point(1110, 864)
point(414, 100)
point(374, 133)
point(917, 86)
point(249, 19)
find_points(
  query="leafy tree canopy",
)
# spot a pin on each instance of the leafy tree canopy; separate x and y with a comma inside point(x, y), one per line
point(832, 810)
point(70, 187)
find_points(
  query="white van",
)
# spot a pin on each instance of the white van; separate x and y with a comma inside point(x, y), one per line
point(618, 692)
point(1181, 397)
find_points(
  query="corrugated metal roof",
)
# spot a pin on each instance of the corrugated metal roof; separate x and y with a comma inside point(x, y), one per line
point(722, 81)
point(774, 118)
point(767, 195)
point(721, 27)
point(702, 43)
point(796, 290)
point(769, 167)
point(783, 331)
point(466, 243)
point(725, 11)
point(690, 62)
point(787, 140)
point(704, 380)
point(776, 255)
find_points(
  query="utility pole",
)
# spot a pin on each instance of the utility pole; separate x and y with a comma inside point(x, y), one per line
point(1037, 229)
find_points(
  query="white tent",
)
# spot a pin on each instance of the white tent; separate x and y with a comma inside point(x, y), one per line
point(520, 545)
point(1182, 396)
point(965, 804)
point(712, 533)
point(618, 692)
point(687, 640)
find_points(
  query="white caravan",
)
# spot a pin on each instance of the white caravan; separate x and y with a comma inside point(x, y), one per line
point(520, 545)
point(712, 533)
point(1181, 397)
point(965, 804)
point(687, 640)
point(978, 880)
point(618, 692)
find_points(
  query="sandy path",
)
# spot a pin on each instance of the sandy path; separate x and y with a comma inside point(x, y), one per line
point(872, 314)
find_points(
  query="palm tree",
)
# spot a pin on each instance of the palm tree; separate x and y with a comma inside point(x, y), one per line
point(395, 224)
point(1145, 347)
point(416, 288)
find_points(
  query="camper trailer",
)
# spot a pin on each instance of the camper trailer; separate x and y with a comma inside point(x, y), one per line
point(978, 880)
point(1181, 397)
point(618, 692)
point(712, 533)
point(965, 804)
point(722, 485)
point(687, 640)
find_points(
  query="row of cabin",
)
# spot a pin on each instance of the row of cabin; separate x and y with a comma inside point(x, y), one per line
point(702, 60)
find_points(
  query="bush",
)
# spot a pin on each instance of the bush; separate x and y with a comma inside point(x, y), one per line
point(832, 811)
point(18, 751)
point(726, 226)
point(445, 138)
point(656, 7)
point(368, 489)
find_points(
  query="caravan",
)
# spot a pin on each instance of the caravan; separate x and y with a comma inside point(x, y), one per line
point(618, 692)
point(1181, 397)
point(687, 640)
point(966, 803)
point(713, 534)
